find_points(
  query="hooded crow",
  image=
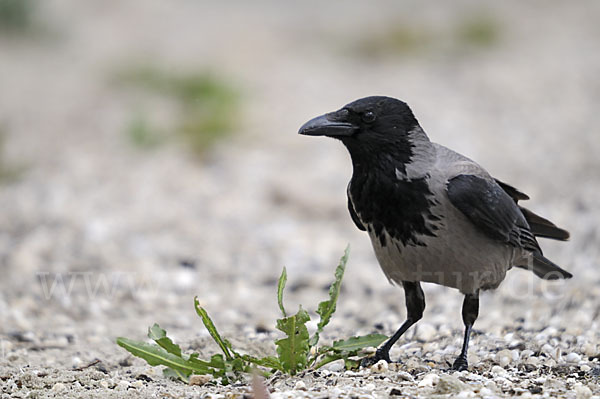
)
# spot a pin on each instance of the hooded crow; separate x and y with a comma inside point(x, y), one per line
point(432, 214)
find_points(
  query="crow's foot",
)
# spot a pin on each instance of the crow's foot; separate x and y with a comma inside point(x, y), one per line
point(379, 355)
point(460, 364)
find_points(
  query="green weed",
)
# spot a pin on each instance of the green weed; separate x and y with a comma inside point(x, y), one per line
point(8, 172)
point(400, 38)
point(207, 107)
point(480, 31)
point(16, 16)
point(296, 351)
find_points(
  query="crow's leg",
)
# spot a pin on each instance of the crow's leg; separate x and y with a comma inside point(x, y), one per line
point(415, 304)
point(470, 310)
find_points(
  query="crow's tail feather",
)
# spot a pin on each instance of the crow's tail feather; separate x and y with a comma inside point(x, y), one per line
point(541, 227)
point(546, 269)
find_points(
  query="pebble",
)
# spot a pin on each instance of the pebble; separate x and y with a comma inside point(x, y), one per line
point(573, 358)
point(533, 361)
point(336, 366)
point(58, 387)
point(449, 384)
point(76, 361)
point(300, 386)
point(200, 379)
point(491, 385)
point(589, 349)
point(582, 391)
point(499, 371)
point(504, 357)
point(137, 384)
point(369, 387)
point(380, 367)
point(122, 385)
point(429, 380)
point(403, 375)
point(426, 332)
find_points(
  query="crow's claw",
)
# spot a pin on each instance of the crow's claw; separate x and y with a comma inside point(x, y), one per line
point(460, 364)
point(371, 360)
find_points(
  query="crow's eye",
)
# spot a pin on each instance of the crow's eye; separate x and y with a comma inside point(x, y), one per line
point(368, 117)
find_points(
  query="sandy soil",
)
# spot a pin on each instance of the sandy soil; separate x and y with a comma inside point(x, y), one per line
point(100, 239)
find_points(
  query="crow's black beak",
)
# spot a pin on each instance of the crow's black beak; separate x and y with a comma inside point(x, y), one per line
point(323, 126)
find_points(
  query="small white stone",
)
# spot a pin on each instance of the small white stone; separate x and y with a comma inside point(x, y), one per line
point(499, 371)
point(548, 349)
point(122, 385)
point(450, 384)
point(380, 367)
point(137, 384)
point(550, 331)
point(426, 332)
point(300, 386)
point(585, 368)
point(369, 387)
point(403, 375)
point(429, 347)
point(515, 355)
point(573, 358)
point(58, 387)
point(336, 366)
point(582, 391)
point(429, 380)
point(76, 361)
point(533, 361)
point(486, 392)
point(589, 349)
point(491, 385)
point(104, 384)
point(526, 353)
point(336, 392)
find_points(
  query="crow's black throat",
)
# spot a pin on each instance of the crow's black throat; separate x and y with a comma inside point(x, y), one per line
point(401, 207)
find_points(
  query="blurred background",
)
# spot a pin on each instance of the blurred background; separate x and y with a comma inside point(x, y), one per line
point(148, 153)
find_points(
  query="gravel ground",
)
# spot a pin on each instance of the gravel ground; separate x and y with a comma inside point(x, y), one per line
point(100, 239)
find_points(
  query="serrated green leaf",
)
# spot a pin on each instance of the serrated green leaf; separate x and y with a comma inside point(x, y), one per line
point(293, 350)
point(159, 336)
point(357, 343)
point(212, 330)
point(157, 356)
point(218, 364)
point(280, 288)
point(327, 308)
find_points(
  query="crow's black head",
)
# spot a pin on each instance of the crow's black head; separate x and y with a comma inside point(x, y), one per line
point(371, 120)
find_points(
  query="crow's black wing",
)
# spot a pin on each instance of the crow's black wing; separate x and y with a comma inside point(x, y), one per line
point(487, 205)
point(354, 216)
point(539, 226)
point(514, 193)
